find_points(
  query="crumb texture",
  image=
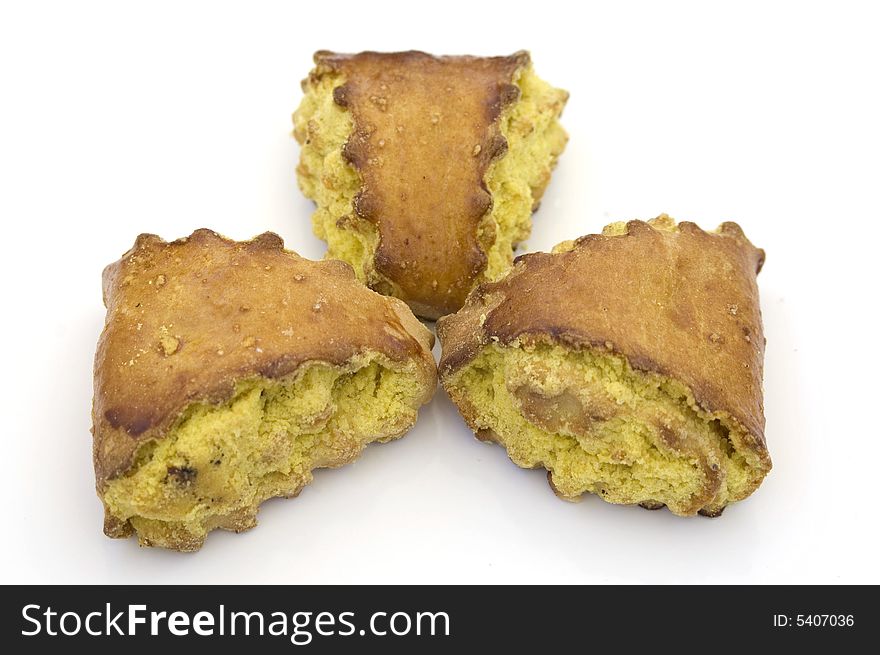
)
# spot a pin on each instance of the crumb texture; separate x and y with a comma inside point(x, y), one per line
point(218, 463)
point(600, 427)
point(322, 128)
point(517, 180)
point(425, 170)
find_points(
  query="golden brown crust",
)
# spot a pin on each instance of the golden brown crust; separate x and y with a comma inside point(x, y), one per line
point(187, 320)
point(426, 130)
point(681, 303)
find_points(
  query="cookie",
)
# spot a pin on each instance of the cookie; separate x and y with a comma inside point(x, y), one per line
point(228, 371)
point(628, 364)
point(425, 170)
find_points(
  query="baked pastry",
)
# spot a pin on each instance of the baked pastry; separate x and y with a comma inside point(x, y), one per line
point(627, 364)
point(227, 371)
point(426, 170)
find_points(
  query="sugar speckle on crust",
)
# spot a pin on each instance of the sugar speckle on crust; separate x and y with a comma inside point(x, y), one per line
point(168, 343)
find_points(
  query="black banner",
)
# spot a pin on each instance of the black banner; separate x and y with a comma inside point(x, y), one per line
point(436, 619)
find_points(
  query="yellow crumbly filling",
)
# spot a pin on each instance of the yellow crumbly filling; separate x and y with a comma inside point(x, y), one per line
point(322, 127)
point(219, 462)
point(620, 454)
point(535, 140)
point(516, 181)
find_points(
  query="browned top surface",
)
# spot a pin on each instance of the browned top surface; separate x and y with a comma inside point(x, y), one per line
point(683, 304)
point(186, 320)
point(425, 131)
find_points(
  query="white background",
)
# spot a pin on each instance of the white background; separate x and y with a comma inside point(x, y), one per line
point(121, 118)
